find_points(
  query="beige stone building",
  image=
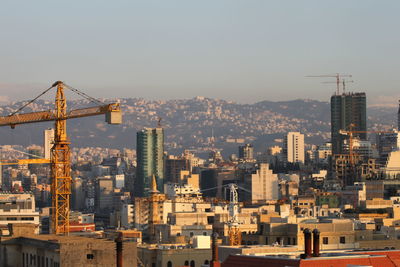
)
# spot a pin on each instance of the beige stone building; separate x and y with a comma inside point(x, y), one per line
point(64, 251)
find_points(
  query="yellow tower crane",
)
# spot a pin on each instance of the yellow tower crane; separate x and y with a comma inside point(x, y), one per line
point(60, 152)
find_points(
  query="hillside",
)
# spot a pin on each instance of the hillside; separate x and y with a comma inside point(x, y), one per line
point(189, 123)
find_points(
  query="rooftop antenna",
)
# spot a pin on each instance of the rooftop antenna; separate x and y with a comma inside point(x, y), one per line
point(159, 122)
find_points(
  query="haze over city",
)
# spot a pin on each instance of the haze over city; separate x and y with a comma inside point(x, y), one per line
point(245, 51)
point(199, 133)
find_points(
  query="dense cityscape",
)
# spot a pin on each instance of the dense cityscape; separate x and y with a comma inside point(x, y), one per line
point(207, 133)
point(184, 209)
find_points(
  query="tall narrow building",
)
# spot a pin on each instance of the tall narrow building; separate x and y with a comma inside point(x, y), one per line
point(48, 142)
point(150, 160)
point(294, 147)
point(398, 118)
point(347, 109)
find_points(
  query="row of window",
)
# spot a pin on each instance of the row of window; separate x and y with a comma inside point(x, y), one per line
point(292, 241)
point(30, 260)
point(191, 264)
point(17, 218)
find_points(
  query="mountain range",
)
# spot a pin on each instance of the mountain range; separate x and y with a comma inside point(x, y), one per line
point(196, 123)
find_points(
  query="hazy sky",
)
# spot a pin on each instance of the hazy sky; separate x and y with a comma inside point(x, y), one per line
point(246, 51)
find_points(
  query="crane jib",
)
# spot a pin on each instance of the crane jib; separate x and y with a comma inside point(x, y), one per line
point(112, 111)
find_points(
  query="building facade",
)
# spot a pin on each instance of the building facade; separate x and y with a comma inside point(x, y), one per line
point(347, 109)
point(150, 160)
point(246, 152)
point(294, 147)
point(48, 142)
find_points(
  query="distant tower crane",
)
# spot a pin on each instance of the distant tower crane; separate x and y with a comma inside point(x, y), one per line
point(60, 153)
point(343, 82)
point(234, 233)
point(338, 77)
point(351, 132)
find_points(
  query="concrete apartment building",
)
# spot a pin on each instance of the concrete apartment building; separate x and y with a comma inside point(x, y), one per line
point(48, 142)
point(294, 147)
point(104, 194)
point(179, 254)
point(18, 209)
point(263, 184)
point(63, 251)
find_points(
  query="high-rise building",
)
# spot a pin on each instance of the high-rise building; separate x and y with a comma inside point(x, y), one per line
point(48, 142)
point(398, 118)
point(104, 194)
point(173, 167)
point(246, 152)
point(347, 109)
point(294, 147)
point(150, 160)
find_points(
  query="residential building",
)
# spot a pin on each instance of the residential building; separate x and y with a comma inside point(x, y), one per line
point(262, 183)
point(63, 251)
point(294, 147)
point(104, 194)
point(48, 142)
point(18, 209)
point(246, 152)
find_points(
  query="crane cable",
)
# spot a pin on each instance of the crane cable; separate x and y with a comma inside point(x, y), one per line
point(91, 99)
point(31, 101)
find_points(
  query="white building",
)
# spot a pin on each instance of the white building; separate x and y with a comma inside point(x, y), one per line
point(127, 216)
point(18, 209)
point(119, 181)
point(175, 190)
point(264, 184)
point(48, 142)
point(294, 147)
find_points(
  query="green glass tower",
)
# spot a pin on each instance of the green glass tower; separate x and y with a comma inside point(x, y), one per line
point(150, 160)
point(346, 109)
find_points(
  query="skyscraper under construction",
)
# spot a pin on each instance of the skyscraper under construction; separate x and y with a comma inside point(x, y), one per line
point(347, 109)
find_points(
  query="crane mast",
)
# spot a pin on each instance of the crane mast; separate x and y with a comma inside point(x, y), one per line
point(60, 158)
point(60, 166)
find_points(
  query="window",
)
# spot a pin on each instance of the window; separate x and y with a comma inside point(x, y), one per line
point(325, 240)
point(89, 256)
point(27, 219)
point(192, 264)
point(204, 233)
point(169, 264)
point(342, 240)
point(186, 263)
point(191, 234)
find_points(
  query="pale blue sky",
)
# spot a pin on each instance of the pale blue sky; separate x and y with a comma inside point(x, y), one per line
point(246, 51)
